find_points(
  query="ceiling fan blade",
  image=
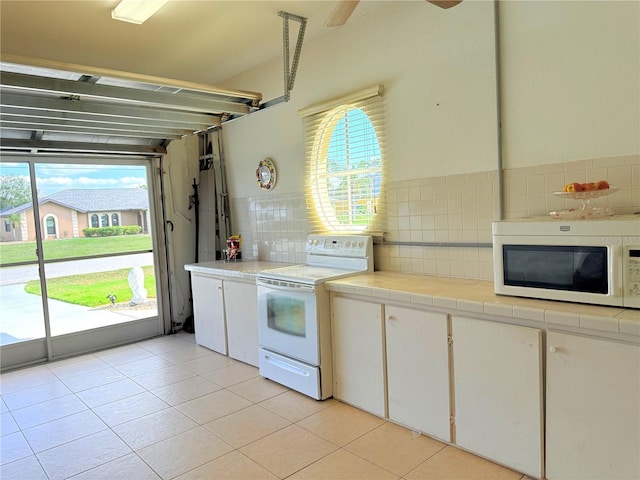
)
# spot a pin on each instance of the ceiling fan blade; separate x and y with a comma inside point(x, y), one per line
point(341, 13)
point(445, 3)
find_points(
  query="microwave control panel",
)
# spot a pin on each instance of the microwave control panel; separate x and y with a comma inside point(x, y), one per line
point(632, 280)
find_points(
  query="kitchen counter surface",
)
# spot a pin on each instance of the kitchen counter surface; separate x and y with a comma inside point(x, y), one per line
point(477, 296)
point(245, 269)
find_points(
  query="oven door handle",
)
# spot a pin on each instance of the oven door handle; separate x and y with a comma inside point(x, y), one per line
point(286, 286)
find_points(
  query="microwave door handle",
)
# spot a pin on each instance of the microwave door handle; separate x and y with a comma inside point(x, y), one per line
point(615, 270)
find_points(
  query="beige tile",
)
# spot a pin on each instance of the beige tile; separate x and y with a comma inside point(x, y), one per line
point(210, 407)
point(232, 374)
point(63, 430)
point(246, 426)
point(288, 450)
point(162, 377)
point(158, 426)
point(232, 466)
point(46, 411)
point(93, 379)
point(207, 364)
point(185, 390)
point(33, 395)
point(27, 467)
point(342, 465)
point(144, 365)
point(127, 409)
point(182, 453)
point(394, 448)
point(295, 406)
point(340, 423)
point(14, 447)
point(122, 355)
point(8, 424)
point(165, 344)
point(129, 466)
point(258, 389)
point(452, 463)
point(88, 452)
point(94, 397)
point(187, 353)
point(22, 379)
point(77, 366)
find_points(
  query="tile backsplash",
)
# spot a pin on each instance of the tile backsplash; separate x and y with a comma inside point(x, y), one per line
point(454, 209)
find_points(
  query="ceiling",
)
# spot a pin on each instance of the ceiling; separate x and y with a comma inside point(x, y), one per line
point(74, 79)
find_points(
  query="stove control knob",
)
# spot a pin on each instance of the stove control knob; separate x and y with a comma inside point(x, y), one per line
point(360, 244)
point(347, 243)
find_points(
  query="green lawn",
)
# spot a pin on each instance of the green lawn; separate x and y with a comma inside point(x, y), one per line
point(92, 289)
point(73, 247)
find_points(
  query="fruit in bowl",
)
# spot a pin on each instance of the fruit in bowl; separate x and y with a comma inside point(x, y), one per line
point(573, 187)
point(603, 185)
point(589, 186)
point(586, 187)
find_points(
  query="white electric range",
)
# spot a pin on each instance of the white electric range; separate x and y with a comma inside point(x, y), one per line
point(294, 312)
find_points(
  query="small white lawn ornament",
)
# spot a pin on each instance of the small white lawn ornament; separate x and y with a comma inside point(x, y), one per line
point(136, 283)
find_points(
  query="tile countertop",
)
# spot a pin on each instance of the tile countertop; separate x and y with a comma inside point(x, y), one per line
point(244, 269)
point(477, 296)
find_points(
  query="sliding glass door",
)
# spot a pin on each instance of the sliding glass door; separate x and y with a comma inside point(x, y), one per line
point(78, 267)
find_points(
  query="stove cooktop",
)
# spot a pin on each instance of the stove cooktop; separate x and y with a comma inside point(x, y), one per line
point(308, 274)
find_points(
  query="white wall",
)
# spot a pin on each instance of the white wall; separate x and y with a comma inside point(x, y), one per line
point(570, 80)
point(438, 70)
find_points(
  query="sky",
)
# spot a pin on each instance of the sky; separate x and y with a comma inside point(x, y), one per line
point(51, 178)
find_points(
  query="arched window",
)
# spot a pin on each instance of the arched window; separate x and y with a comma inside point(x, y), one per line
point(345, 166)
point(50, 224)
point(104, 220)
point(115, 221)
point(95, 221)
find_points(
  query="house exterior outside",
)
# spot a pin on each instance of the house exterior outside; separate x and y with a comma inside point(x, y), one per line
point(66, 213)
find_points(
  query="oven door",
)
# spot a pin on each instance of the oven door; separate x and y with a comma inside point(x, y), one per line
point(287, 316)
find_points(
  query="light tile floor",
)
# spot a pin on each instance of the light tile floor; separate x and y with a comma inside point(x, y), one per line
point(168, 408)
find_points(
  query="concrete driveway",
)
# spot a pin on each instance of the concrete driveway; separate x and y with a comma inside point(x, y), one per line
point(21, 313)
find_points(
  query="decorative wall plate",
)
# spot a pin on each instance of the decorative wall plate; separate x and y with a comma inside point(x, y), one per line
point(266, 174)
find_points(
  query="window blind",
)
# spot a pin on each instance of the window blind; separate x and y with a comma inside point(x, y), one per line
point(345, 167)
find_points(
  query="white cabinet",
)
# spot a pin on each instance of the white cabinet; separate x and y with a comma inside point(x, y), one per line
point(241, 308)
point(208, 312)
point(497, 371)
point(593, 408)
point(358, 354)
point(418, 370)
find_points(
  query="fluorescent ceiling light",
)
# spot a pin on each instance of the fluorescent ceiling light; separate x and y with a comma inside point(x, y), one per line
point(136, 11)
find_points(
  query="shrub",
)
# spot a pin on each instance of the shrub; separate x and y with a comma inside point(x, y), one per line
point(111, 231)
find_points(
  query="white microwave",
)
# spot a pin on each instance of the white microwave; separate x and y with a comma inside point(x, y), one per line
point(586, 261)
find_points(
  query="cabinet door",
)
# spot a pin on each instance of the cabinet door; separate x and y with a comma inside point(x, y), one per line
point(418, 370)
point(208, 312)
point(498, 392)
point(593, 408)
point(358, 354)
point(241, 308)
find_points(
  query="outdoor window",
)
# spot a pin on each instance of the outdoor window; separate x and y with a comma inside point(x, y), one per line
point(115, 220)
point(94, 221)
point(104, 220)
point(51, 225)
point(344, 159)
point(7, 225)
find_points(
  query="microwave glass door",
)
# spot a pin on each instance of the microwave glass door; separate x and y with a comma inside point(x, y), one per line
point(570, 268)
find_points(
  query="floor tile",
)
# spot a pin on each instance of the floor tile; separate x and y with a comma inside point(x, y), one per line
point(25, 378)
point(127, 467)
point(451, 463)
point(288, 450)
point(258, 389)
point(212, 406)
point(184, 452)
point(130, 408)
point(247, 425)
point(207, 364)
point(82, 454)
point(162, 377)
point(342, 465)
point(8, 424)
point(294, 406)
point(232, 466)
point(232, 374)
point(340, 423)
point(164, 344)
point(186, 353)
point(122, 355)
point(153, 428)
point(33, 395)
point(94, 397)
point(185, 390)
point(394, 448)
point(3, 406)
point(148, 364)
point(63, 430)
point(77, 366)
point(25, 468)
point(14, 447)
point(93, 379)
point(46, 411)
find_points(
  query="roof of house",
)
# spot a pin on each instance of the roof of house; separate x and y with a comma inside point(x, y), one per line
point(93, 200)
